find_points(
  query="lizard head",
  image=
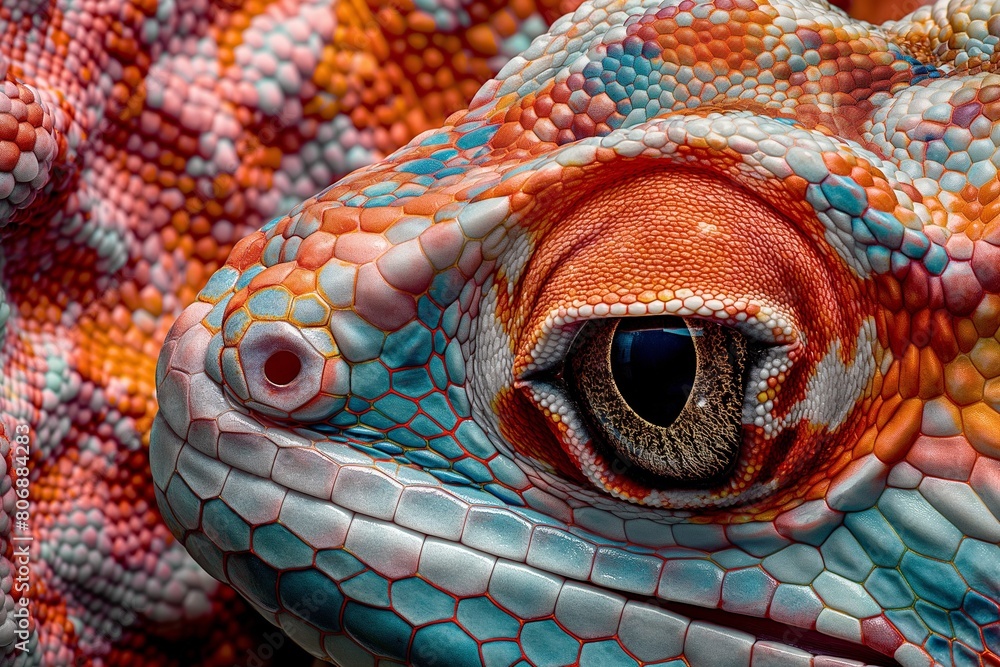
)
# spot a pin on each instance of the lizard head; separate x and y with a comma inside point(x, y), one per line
point(680, 344)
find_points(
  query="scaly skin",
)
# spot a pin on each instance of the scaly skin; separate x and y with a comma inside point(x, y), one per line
point(138, 142)
point(375, 422)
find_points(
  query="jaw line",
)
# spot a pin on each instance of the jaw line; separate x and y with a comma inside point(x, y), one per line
point(764, 630)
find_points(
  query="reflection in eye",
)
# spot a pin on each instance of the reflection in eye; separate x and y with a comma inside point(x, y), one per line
point(663, 394)
point(654, 367)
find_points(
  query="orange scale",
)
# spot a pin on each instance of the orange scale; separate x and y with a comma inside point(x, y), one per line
point(247, 251)
point(836, 163)
point(981, 424)
point(943, 336)
point(931, 374)
point(963, 382)
point(427, 204)
point(300, 281)
point(866, 441)
point(270, 277)
point(899, 432)
point(377, 220)
point(966, 335)
point(316, 250)
point(886, 410)
point(520, 200)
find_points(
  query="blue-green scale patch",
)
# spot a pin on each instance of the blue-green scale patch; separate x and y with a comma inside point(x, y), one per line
point(312, 597)
point(501, 654)
point(421, 166)
point(413, 382)
point(218, 312)
point(980, 610)
point(444, 643)
point(420, 603)
point(389, 448)
point(936, 260)
point(934, 617)
point(448, 476)
point(933, 580)
point(225, 527)
point(377, 420)
point(921, 527)
point(627, 571)
point(475, 442)
point(382, 632)
point(437, 407)
point(430, 314)
point(281, 548)
point(185, 504)
point(845, 195)
point(747, 591)
point(844, 556)
point(474, 470)
point(254, 579)
point(876, 536)
point(270, 303)
point(410, 346)
point(425, 426)
point(976, 562)
point(310, 310)
point(444, 154)
point(909, 624)
point(548, 645)
point(507, 496)
point(605, 653)
point(272, 251)
point(477, 137)
point(447, 447)
point(207, 554)
point(369, 380)
point(966, 630)
point(368, 588)
point(235, 326)
point(965, 656)
point(939, 649)
point(248, 275)
point(991, 636)
point(459, 401)
point(436, 139)
point(221, 282)
point(378, 202)
point(406, 438)
point(889, 588)
point(397, 408)
point(379, 189)
point(426, 458)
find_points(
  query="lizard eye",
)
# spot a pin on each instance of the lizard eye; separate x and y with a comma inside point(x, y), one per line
point(663, 395)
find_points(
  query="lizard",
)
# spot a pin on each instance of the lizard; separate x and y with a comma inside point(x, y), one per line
point(138, 142)
point(679, 346)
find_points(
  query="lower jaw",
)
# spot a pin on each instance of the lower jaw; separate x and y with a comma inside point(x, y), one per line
point(763, 629)
point(766, 629)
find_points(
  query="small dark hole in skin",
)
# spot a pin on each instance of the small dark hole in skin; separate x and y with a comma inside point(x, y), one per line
point(282, 367)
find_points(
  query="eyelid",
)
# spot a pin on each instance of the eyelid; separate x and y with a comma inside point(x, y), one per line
point(768, 325)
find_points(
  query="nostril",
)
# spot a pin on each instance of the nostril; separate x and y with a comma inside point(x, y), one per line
point(282, 367)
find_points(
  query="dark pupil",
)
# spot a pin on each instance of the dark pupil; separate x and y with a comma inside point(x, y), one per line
point(653, 363)
point(282, 367)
